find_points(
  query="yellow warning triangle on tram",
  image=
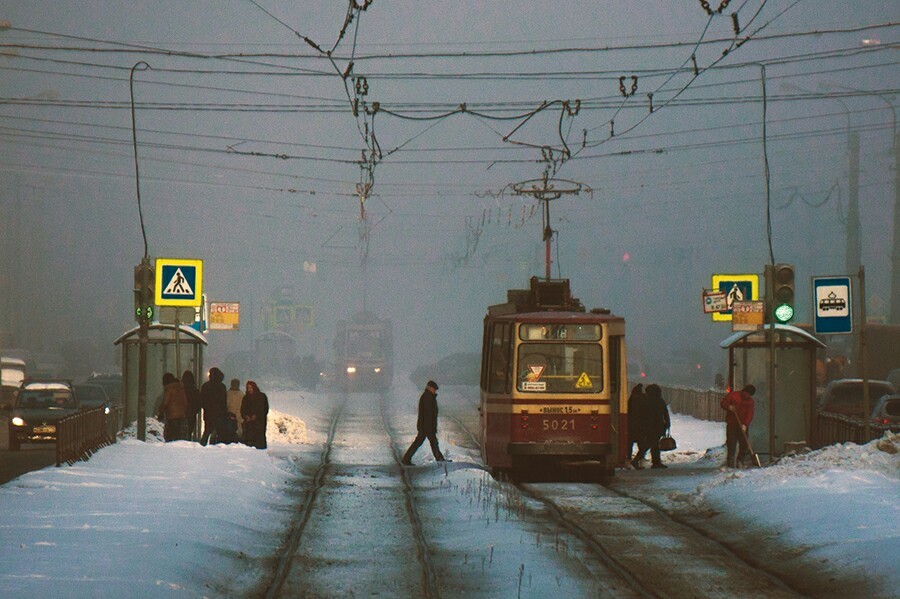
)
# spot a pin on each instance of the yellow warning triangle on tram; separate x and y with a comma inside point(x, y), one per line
point(584, 382)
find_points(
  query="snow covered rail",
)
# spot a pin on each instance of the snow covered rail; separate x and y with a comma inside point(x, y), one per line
point(699, 403)
point(78, 436)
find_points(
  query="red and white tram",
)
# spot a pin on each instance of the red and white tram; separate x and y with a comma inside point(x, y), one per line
point(553, 386)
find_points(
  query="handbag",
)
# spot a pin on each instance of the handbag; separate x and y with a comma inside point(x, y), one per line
point(667, 442)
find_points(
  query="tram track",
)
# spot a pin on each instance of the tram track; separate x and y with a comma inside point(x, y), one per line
point(639, 519)
point(312, 562)
point(305, 511)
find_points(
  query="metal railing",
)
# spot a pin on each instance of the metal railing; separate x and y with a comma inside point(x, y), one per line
point(80, 435)
point(837, 428)
point(828, 428)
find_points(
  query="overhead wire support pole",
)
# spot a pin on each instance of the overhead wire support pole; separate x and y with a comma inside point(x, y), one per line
point(546, 193)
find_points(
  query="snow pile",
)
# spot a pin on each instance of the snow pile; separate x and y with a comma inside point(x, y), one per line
point(284, 428)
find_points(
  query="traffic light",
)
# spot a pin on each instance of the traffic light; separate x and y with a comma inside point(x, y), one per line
point(784, 292)
point(143, 303)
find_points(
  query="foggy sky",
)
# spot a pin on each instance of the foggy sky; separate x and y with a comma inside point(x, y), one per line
point(682, 194)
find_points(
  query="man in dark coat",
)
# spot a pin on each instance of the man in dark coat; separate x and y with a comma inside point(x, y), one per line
point(213, 400)
point(738, 406)
point(426, 425)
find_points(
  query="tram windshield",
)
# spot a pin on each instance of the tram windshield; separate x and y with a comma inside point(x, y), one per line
point(560, 368)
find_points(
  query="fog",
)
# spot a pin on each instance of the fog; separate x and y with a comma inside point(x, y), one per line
point(251, 163)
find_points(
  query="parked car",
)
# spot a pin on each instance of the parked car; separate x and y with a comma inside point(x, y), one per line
point(845, 396)
point(887, 411)
point(38, 407)
point(91, 396)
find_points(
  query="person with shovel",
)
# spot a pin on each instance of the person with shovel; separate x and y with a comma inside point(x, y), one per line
point(739, 413)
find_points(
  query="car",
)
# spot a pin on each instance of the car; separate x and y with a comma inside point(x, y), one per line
point(91, 396)
point(887, 411)
point(845, 396)
point(12, 375)
point(111, 383)
point(893, 378)
point(39, 406)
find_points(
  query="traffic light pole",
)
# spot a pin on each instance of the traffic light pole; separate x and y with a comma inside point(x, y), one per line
point(142, 351)
point(770, 320)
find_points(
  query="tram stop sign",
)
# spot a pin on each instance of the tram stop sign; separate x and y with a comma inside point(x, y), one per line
point(831, 305)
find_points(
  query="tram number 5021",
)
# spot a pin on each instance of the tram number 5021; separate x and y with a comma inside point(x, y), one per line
point(559, 425)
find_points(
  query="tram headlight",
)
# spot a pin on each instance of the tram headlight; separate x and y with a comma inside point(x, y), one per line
point(378, 370)
point(351, 370)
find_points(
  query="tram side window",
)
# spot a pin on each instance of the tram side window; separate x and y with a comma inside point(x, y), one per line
point(499, 358)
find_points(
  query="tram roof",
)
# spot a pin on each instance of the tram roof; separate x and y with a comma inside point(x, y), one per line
point(559, 316)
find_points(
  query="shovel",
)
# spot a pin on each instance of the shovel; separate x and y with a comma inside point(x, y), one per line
point(750, 447)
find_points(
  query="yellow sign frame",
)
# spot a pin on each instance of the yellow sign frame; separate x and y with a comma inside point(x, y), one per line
point(196, 264)
point(752, 279)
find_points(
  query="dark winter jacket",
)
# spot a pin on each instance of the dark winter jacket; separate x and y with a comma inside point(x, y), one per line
point(634, 417)
point(428, 413)
point(657, 412)
point(743, 404)
point(192, 392)
point(254, 413)
point(213, 397)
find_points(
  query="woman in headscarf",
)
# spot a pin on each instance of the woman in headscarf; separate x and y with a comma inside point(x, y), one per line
point(254, 412)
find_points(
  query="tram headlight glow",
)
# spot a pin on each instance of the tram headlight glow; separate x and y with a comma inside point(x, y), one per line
point(377, 370)
point(351, 370)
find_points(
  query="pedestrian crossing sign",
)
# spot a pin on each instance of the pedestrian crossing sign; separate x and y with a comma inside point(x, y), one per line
point(179, 282)
point(737, 288)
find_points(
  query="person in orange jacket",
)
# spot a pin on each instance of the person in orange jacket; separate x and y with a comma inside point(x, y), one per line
point(738, 406)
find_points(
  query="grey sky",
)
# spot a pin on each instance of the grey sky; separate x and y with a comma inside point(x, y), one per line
point(682, 192)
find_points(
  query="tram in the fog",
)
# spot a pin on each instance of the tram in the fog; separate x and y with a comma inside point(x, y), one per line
point(364, 353)
point(553, 386)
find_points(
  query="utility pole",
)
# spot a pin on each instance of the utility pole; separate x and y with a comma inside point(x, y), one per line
point(894, 314)
point(853, 236)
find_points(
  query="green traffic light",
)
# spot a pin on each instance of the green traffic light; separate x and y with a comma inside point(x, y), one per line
point(784, 312)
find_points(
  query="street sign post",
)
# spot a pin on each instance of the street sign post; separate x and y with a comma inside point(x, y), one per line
point(737, 288)
point(179, 282)
point(832, 305)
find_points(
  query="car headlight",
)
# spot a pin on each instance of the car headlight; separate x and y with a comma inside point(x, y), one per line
point(378, 370)
point(17, 421)
point(351, 370)
point(106, 409)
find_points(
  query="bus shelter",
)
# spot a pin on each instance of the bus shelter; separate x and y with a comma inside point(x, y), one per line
point(789, 418)
point(167, 351)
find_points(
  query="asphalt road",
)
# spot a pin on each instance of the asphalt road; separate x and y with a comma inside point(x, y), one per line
point(32, 456)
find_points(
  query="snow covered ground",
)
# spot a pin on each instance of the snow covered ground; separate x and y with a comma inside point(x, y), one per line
point(150, 519)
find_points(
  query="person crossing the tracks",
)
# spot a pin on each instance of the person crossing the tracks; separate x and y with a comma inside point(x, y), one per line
point(426, 425)
point(739, 413)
